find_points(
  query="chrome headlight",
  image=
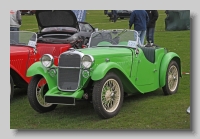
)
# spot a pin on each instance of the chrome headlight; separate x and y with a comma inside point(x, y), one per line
point(47, 60)
point(87, 61)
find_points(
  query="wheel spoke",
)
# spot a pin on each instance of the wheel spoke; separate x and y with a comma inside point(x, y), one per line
point(172, 78)
point(104, 90)
point(110, 95)
point(40, 92)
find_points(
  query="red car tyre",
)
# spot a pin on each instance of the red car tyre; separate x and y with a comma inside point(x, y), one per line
point(11, 88)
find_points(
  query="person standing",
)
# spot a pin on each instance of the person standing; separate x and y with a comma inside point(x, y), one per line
point(15, 23)
point(15, 20)
point(105, 12)
point(153, 16)
point(114, 15)
point(140, 20)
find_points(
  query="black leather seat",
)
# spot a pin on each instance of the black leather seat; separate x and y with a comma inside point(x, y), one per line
point(149, 53)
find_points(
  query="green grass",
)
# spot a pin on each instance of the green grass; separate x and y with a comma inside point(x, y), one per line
point(139, 112)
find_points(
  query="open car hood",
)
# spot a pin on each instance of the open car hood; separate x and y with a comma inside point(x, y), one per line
point(56, 18)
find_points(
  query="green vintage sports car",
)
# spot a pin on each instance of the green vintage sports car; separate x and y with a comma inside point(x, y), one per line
point(112, 66)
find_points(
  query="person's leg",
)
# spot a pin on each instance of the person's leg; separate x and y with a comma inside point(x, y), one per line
point(112, 18)
point(142, 36)
point(151, 35)
point(14, 35)
point(147, 35)
point(14, 29)
point(115, 18)
point(138, 36)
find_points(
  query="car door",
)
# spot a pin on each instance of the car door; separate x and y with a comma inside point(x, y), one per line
point(19, 60)
point(145, 72)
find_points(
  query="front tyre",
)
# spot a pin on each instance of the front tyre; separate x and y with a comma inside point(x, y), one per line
point(107, 96)
point(11, 88)
point(37, 88)
point(172, 78)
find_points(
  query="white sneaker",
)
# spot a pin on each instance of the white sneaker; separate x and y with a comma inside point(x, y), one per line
point(188, 110)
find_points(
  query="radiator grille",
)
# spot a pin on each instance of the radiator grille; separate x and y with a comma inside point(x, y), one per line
point(68, 60)
point(69, 72)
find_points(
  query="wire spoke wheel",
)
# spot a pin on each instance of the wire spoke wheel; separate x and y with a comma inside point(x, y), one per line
point(173, 78)
point(37, 89)
point(110, 95)
point(41, 89)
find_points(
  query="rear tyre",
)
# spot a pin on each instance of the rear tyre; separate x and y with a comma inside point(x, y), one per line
point(11, 88)
point(172, 78)
point(37, 88)
point(107, 96)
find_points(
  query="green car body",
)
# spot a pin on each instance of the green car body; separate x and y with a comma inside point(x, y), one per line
point(138, 70)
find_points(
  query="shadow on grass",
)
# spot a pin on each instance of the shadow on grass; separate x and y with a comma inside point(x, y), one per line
point(84, 109)
point(18, 94)
point(140, 96)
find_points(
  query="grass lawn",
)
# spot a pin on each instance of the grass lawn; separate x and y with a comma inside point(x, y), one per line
point(139, 112)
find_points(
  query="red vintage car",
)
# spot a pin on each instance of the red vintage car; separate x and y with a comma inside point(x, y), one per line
point(27, 47)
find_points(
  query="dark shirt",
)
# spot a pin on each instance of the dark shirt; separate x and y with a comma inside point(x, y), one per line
point(153, 16)
point(140, 20)
point(114, 12)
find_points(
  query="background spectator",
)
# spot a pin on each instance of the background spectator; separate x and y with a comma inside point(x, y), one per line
point(114, 15)
point(140, 20)
point(105, 12)
point(15, 23)
point(15, 20)
point(153, 16)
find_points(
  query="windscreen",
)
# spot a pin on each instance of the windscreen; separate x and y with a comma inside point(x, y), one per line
point(114, 38)
point(25, 38)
